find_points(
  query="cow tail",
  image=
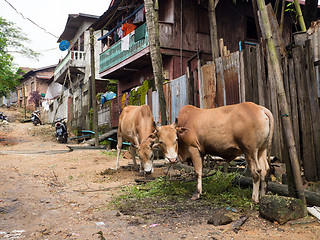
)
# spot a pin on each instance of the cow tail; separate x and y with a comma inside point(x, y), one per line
point(271, 127)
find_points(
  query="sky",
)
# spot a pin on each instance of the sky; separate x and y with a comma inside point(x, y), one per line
point(51, 15)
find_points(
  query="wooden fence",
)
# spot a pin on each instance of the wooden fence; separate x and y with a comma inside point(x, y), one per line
point(244, 76)
point(301, 92)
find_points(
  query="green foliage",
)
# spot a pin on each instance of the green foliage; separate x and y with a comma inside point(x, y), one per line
point(290, 8)
point(12, 40)
point(109, 153)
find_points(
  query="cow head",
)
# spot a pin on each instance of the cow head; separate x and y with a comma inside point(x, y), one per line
point(145, 153)
point(168, 140)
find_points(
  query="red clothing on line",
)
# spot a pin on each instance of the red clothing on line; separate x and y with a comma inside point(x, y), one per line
point(128, 28)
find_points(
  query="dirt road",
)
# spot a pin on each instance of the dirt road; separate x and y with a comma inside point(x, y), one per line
point(47, 192)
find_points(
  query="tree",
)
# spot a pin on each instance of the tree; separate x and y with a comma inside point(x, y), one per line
point(155, 53)
point(35, 98)
point(12, 40)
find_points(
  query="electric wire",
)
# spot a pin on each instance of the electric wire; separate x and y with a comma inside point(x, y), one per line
point(30, 19)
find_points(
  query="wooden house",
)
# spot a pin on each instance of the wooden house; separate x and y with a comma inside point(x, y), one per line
point(33, 80)
point(184, 38)
point(74, 72)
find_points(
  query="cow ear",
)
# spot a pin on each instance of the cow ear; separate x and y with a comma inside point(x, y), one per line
point(182, 130)
point(155, 126)
point(175, 124)
point(156, 146)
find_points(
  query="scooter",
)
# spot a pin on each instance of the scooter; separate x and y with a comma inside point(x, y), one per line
point(35, 118)
point(3, 117)
point(61, 130)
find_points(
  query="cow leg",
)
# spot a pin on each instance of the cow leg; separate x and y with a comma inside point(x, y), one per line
point(197, 163)
point(253, 164)
point(119, 146)
point(133, 155)
point(265, 168)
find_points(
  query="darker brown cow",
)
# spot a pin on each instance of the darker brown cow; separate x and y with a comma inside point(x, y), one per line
point(228, 132)
point(136, 125)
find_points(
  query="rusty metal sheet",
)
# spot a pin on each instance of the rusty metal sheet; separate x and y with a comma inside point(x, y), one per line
point(232, 78)
point(228, 79)
point(209, 85)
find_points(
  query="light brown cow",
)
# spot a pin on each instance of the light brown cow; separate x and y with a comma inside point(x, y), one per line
point(136, 125)
point(228, 132)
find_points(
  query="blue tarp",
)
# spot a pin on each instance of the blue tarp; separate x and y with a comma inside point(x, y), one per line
point(107, 96)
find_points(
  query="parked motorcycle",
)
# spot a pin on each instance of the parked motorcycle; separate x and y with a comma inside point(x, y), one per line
point(3, 117)
point(61, 130)
point(35, 118)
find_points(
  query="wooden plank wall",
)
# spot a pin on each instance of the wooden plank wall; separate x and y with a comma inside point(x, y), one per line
point(301, 90)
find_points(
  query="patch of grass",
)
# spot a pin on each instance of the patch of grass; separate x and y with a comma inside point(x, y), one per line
point(111, 153)
point(163, 195)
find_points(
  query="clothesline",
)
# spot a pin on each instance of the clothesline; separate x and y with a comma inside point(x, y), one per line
point(119, 24)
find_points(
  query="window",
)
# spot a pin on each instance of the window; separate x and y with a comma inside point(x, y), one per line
point(82, 42)
point(166, 11)
point(32, 87)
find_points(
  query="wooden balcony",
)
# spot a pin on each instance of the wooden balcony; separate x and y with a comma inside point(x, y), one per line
point(115, 55)
point(75, 61)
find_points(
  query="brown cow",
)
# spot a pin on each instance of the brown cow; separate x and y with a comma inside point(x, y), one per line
point(228, 132)
point(136, 125)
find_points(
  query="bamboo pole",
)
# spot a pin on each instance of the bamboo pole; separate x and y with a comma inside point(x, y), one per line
point(282, 16)
point(93, 91)
point(283, 105)
point(300, 16)
point(155, 53)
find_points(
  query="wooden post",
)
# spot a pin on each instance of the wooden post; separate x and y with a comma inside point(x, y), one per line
point(314, 103)
point(155, 54)
point(24, 101)
point(284, 111)
point(93, 90)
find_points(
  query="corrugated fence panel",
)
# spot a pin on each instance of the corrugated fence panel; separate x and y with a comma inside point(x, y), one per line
point(228, 79)
point(155, 106)
point(179, 97)
point(176, 97)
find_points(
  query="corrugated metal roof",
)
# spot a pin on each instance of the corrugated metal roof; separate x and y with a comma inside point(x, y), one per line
point(74, 22)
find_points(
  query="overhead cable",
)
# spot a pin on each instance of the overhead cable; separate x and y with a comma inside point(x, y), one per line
point(30, 20)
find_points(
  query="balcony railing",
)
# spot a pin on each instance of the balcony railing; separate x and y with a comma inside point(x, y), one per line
point(115, 55)
point(73, 58)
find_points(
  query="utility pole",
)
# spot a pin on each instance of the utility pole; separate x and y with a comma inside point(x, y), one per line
point(283, 105)
point(152, 18)
point(93, 90)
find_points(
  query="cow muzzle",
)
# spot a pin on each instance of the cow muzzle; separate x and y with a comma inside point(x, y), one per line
point(148, 172)
point(172, 160)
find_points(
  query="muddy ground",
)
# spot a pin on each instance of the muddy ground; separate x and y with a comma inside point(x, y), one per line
point(48, 192)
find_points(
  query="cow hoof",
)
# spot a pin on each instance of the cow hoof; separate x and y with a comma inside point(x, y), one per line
point(195, 196)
